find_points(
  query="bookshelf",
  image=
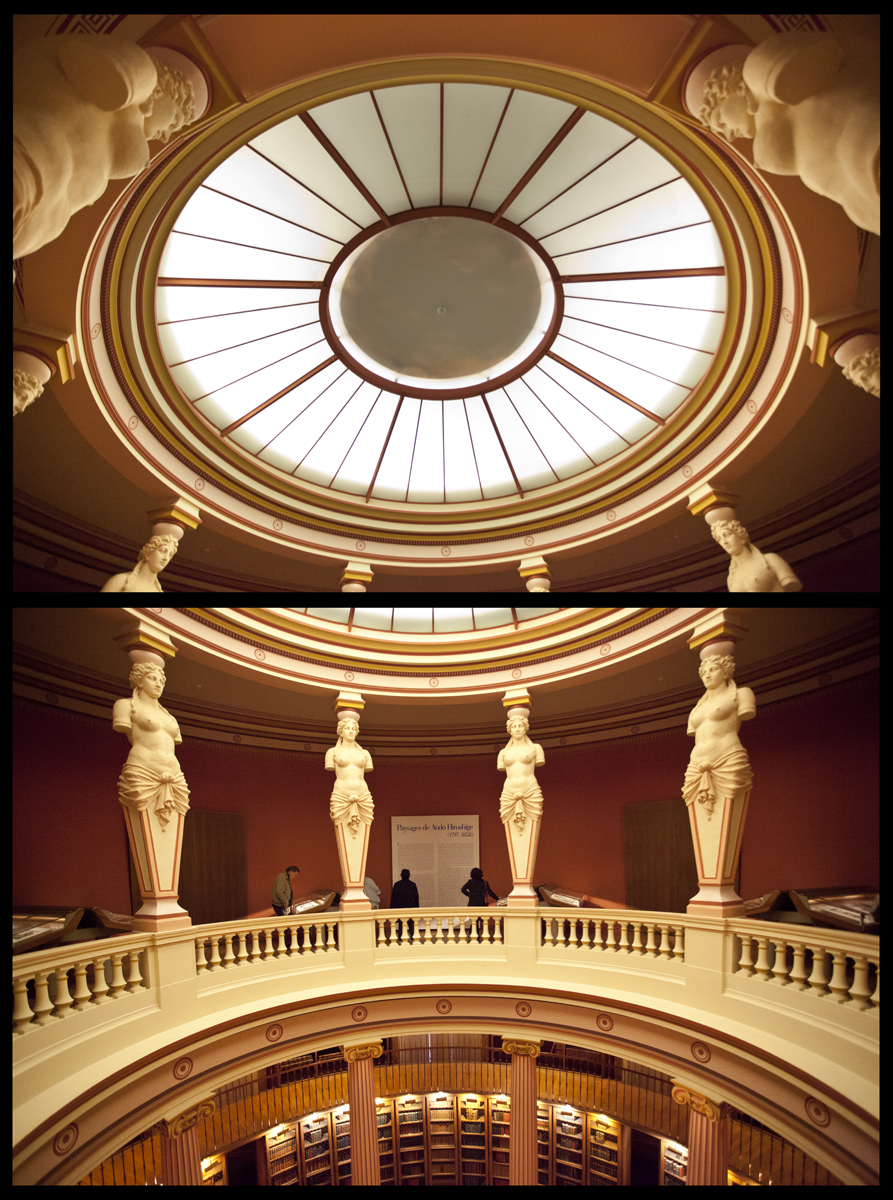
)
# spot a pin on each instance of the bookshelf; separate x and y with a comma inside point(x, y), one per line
point(282, 1155)
point(606, 1148)
point(473, 1141)
point(675, 1163)
point(442, 1139)
point(500, 1127)
point(316, 1149)
point(384, 1115)
point(411, 1141)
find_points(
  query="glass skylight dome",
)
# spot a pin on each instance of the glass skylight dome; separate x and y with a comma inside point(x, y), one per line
point(591, 286)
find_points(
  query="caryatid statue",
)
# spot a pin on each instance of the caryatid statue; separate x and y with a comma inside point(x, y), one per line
point(154, 557)
point(811, 103)
point(521, 806)
point(351, 809)
point(717, 784)
point(153, 792)
point(84, 111)
point(750, 570)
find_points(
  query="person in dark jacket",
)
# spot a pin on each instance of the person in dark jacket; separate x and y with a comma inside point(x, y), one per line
point(282, 890)
point(405, 894)
point(477, 889)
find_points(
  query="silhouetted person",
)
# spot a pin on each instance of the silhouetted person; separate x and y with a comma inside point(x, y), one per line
point(477, 889)
point(405, 894)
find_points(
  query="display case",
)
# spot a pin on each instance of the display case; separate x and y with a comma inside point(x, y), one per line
point(411, 1141)
point(473, 1141)
point(442, 1138)
point(675, 1163)
point(282, 1155)
point(605, 1150)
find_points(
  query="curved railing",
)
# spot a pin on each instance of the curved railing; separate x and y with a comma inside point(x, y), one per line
point(801, 996)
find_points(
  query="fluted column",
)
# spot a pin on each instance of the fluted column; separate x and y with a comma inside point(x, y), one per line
point(181, 1163)
point(363, 1124)
point(522, 1140)
point(708, 1137)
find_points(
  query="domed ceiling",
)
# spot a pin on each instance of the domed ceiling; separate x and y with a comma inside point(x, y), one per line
point(454, 321)
point(441, 293)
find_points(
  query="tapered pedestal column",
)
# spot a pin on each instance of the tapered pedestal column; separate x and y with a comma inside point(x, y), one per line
point(708, 1138)
point(156, 855)
point(522, 1140)
point(717, 845)
point(352, 850)
point(364, 1168)
point(522, 844)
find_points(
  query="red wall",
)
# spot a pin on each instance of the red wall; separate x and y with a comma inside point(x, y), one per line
point(812, 820)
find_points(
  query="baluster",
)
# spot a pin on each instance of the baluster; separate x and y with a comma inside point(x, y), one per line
point(63, 999)
point(624, 937)
point(658, 941)
point(134, 976)
point(860, 992)
point(637, 947)
point(745, 962)
point(611, 942)
point(763, 965)
point(22, 1016)
point(201, 962)
point(99, 987)
point(818, 980)
point(214, 962)
point(118, 983)
point(838, 984)
point(81, 990)
point(252, 937)
point(43, 1005)
point(239, 947)
point(798, 973)
point(679, 950)
point(228, 956)
point(780, 964)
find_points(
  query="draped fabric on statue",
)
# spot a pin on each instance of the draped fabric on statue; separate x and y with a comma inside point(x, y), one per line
point(710, 781)
point(163, 791)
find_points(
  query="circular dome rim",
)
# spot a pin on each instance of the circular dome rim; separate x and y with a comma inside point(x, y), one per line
point(736, 214)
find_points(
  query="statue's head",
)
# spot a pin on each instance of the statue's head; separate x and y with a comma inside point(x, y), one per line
point(519, 722)
point(158, 551)
point(171, 105)
point(717, 662)
point(731, 535)
point(140, 672)
point(728, 107)
point(349, 726)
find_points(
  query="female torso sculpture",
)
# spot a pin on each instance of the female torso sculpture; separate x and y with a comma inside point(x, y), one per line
point(521, 796)
point(719, 765)
point(151, 775)
point(351, 800)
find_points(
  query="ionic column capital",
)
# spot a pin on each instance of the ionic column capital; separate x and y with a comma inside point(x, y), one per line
point(175, 1126)
point(523, 1049)
point(713, 1108)
point(364, 1050)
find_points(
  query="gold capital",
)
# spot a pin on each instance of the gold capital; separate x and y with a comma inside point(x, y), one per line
point(368, 1050)
point(527, 1049)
